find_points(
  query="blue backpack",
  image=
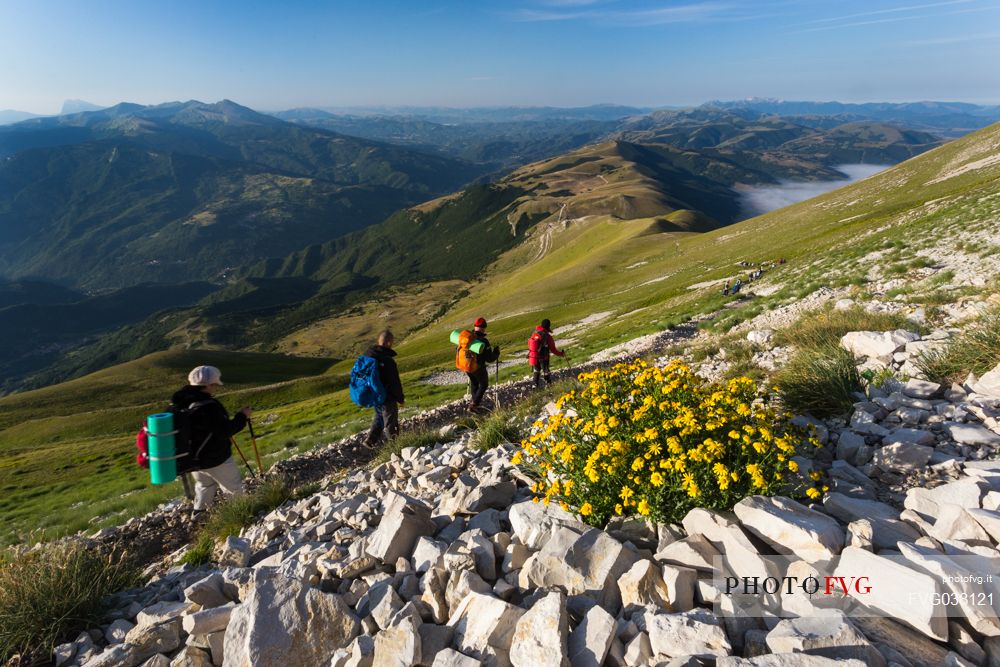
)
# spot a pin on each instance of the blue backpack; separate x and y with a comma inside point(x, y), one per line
point(366, 385)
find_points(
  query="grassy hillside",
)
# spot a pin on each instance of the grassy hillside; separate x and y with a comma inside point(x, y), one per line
point(188, 191)
point(600, 278)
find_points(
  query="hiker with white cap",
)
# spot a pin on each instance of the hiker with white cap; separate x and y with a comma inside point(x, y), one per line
point(211, 436)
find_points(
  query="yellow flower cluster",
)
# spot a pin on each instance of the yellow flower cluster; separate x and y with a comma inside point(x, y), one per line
point(637, 439)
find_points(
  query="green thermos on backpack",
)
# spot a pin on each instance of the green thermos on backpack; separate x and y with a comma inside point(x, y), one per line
point(162, 448)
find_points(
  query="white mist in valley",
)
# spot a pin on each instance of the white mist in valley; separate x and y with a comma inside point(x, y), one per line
point(763, 198)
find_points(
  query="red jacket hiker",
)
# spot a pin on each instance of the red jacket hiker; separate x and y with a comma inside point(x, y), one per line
point(540, 344)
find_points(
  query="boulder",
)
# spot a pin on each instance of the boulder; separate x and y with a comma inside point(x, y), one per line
point(791, 528)
point(902, 457)
point(481, 621)
point(876, 345)
point(895, 638)
point(901, 592)
point(643, 585)
point(681, 582)
point(452, 658)
point(207, 592)
point(694, 552)
point(830, 635)
point(696, 633)
point(399, 644)
point(532, 523)
point(972, 434)
point(920, 388)
point(404, 520)
point(235, 552)
point(964, 492)
point(541, 635)
point(848, 445)
point(989, 520)
point(580, 564)
point(590, 641)
point(989, 383)
point(961, 583)
point(887, 528)
point(116, 632)
point(955, 523)
point(787, 660)
point(914, 436)
point(207, 621)
point(285, 622)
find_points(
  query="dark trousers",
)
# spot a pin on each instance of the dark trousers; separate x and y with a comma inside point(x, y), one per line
point(479, 382)
point(540, 368)
point(385, 422)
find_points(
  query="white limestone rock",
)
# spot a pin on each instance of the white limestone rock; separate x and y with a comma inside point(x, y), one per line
point(541, 635)
point(581, 564)
point(887, 528)
point(532, 523)
point(482, 621)
point(791, 528)
point(901, 592)
point(697, 633)
point(285, 622)
point(404, 520)
point(989, 383)
point(830, 635)
point(590, 642)
point(643, 585)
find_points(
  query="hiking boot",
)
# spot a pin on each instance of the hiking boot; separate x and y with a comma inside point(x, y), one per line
point(199, 517)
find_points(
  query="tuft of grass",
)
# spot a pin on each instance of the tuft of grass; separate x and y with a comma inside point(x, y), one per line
point(822, 330)
point(819, 382)
point(500, 426)
point(232, 515)
point(49, 595)
point(419, 437)
point(975, 350)
point(820, 377)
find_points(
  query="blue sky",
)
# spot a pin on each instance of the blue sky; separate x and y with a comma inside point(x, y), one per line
point(277, 55)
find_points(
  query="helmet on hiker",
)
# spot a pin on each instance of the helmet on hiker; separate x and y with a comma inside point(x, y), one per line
point(480, 322)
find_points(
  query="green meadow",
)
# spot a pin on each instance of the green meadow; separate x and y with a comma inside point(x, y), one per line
point(66, 451)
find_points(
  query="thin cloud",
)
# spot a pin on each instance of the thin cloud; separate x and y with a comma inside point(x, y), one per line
point(892, 10)
point(689, 13)
point(958, 39)
point(895, 19)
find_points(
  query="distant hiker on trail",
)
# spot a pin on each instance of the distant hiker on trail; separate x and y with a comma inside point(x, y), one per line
point(385, 424)
point(540, 345)
point(725, 289)
point(474, 355)
point(211, 436)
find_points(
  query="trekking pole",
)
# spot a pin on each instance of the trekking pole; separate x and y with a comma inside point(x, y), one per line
point(242, 456)
point(253, 439)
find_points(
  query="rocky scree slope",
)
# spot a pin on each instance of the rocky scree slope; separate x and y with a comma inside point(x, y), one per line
point(440, 557)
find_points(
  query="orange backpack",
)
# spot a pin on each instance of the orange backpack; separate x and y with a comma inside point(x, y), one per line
point(465, 359)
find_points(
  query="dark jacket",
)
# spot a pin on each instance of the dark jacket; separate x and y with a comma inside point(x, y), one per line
point(211, 427)
point(387, 371)
point(489, 354)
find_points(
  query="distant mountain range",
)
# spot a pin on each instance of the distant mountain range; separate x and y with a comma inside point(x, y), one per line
point(950, 119)
point(214, 225)
point(8, 116)
point(188, 191)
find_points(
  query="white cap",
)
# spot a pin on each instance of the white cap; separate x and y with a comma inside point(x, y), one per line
point(203, 376)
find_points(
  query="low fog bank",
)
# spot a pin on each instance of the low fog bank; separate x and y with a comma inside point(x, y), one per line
point(764, 198)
